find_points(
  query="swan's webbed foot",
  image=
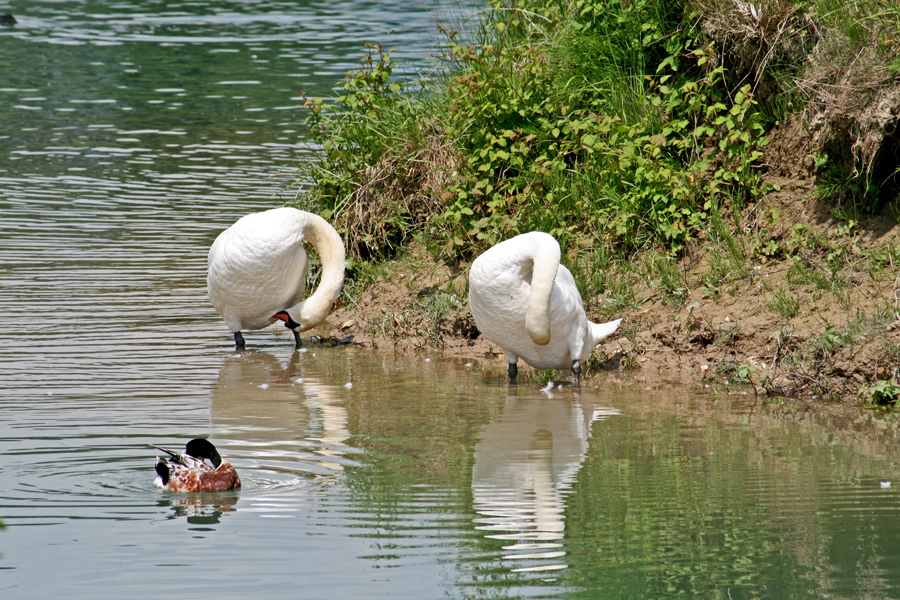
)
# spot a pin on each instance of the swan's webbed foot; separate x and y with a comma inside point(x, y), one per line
point(576, 368)
point(513, 371)
point(298, 343)
point(239, 343)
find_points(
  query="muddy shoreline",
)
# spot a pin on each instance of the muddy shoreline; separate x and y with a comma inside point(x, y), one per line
point(730, 334)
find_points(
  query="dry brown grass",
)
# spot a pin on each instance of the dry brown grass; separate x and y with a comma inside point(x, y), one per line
point(854, 102)
point(396, 197)
point(839, 59)
point(754, 37)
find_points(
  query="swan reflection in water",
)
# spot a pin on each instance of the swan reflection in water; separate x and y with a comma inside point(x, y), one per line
point(290, 422)
point(525, 464)
point(282, 428)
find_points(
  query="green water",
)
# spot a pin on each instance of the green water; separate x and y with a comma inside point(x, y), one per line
point(130, 135)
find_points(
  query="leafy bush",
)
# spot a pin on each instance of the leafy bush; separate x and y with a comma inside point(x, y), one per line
point(549, 146)
point(605, 122)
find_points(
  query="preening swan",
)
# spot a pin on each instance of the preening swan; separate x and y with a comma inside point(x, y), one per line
point(528, 303)
point(258, 266)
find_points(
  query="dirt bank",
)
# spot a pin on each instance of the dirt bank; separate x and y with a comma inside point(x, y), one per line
point(708, 338)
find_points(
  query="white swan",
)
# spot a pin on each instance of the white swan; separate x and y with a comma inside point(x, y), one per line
point(528, 303)
point(258, 266)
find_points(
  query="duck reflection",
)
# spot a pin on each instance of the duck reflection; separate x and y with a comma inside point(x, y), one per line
point(525, 464)
point(201, 509)
point(289, 421)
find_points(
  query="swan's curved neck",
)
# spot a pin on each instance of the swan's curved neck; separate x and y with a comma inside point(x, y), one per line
point(330, 248)
point(544, 253)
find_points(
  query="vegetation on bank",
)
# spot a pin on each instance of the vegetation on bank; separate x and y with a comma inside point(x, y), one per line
point(638, 133)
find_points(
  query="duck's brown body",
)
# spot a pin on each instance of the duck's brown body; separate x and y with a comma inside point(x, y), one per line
point(190, 480)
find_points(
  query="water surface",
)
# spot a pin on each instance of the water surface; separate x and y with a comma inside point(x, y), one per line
point(129, 137)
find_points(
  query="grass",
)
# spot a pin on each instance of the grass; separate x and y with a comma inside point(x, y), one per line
point(437, 305)
point(664, 272)
point(783, 303)
point(610, 280)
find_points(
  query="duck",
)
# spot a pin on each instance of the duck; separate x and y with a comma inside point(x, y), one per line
point(525, 301)
point(257, 272)
point(189, 471)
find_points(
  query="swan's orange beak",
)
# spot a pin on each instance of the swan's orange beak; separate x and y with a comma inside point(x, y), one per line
point(288, 321)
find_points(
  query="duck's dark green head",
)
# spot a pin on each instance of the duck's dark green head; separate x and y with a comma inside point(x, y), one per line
point(200, 448)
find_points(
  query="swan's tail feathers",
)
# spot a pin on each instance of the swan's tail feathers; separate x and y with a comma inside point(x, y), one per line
point(602, 331)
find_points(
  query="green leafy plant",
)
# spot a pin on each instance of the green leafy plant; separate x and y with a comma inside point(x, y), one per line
point(756, 376)
point(602, 123)
point(881, 393)
point(614, 124)
point(380, 161)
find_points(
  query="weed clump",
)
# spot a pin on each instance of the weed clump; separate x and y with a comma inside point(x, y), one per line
point(383, 161)
point(853, 86)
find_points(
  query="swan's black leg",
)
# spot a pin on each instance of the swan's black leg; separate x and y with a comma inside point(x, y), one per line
point(513, 371)
point(576, 368)
point(298, 343)
point(239, 343)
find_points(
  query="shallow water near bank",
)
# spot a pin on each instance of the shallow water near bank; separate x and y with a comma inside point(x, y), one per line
point(130, 140)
